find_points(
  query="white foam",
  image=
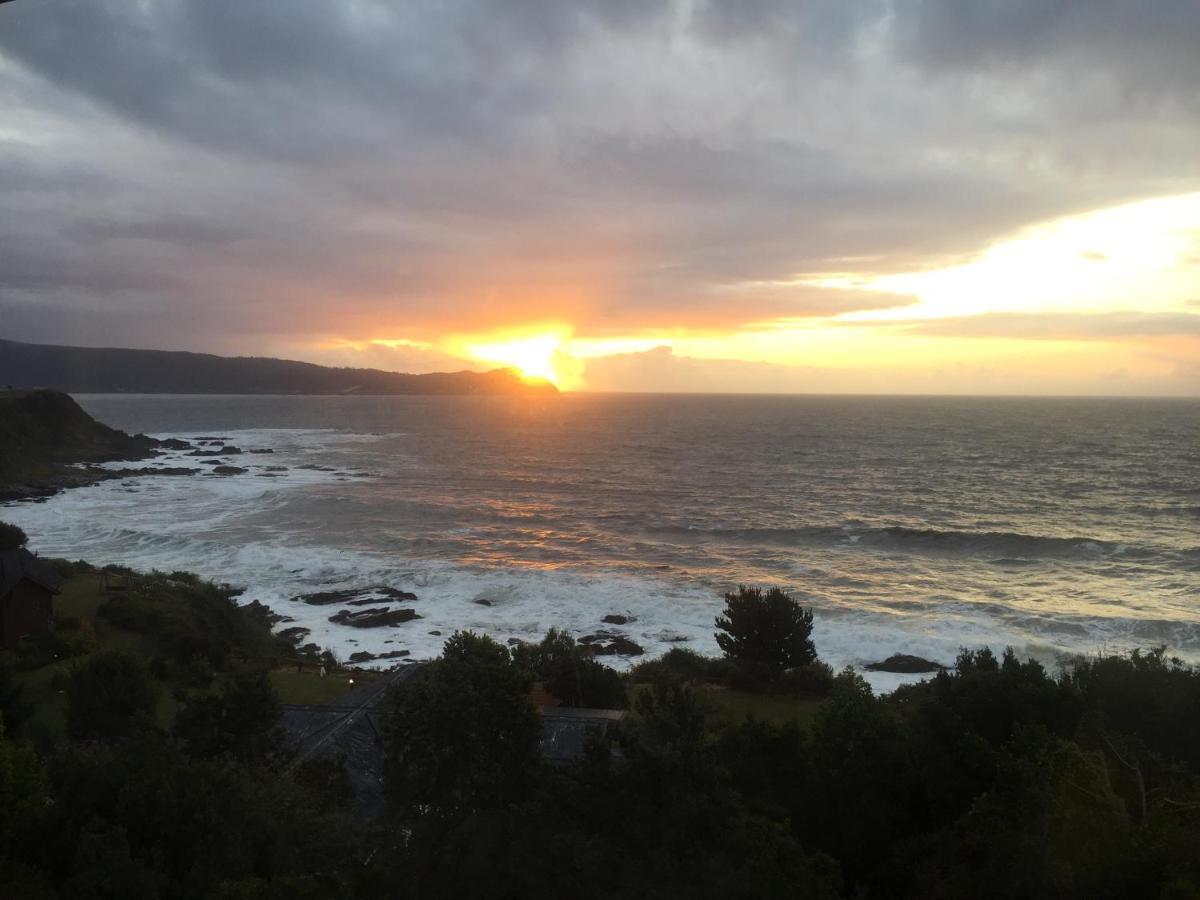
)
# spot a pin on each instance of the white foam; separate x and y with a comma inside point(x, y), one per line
point(227, 528)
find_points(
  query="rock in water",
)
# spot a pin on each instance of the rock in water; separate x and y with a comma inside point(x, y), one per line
point(357, 596)
point(380, 617)
point(904, 664)
point(607, 644)
point(618, 619)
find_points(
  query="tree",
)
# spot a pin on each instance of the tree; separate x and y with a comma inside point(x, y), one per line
point(569, 672)
point(767, 631)
point(463, 735)
point(11, 537)
point(14, 707)
point(241, 721)
point(22, 802)
point(109, 695)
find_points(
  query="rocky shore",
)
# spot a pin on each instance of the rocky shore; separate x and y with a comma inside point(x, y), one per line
point(49, 444)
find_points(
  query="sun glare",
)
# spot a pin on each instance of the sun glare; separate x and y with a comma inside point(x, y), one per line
point(532, 356)
point(1136, 254)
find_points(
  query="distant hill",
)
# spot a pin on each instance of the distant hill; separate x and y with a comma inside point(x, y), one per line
point(85, 370)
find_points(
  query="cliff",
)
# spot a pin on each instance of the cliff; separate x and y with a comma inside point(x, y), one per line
point(43, 432)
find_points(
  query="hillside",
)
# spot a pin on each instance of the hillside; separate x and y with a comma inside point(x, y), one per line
point(44, 433)
point(109, 370)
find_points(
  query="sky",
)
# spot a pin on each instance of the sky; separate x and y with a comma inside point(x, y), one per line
point(869, 196)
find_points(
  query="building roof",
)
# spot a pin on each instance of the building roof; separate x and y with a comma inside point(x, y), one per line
point(347, 728)
point(565, 730)
point(21, 565)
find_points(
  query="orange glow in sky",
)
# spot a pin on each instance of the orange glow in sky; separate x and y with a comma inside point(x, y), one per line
point(1102, 302)
point(533, 356)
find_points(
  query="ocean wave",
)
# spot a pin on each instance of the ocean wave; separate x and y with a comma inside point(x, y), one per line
point(1001, 547)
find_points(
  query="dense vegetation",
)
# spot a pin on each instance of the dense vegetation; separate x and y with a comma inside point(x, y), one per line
point(995, 779)
point(96, 370)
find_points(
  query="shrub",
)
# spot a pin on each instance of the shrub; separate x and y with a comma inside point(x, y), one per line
point(569, 672)
point(39, 650)
point(812, 680)
point(11, 537)
point(82, 639)
point(463, 736)
point(190, 618)
point(683, 665)
point(64, 568)
point(14, 708)
point(765, 633)
point(241, 721)
point(109, 695)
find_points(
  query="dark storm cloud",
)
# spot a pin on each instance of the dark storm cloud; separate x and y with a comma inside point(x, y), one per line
point(310, 167)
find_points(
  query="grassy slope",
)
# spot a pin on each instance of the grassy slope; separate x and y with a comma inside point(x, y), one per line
point(81, 597)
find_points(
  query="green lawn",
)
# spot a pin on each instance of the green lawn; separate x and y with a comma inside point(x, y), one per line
point(733, 706)
point(309, 687)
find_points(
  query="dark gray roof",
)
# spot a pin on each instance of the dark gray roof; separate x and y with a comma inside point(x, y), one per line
point(347, 728)
point(19, 565)
point(565, 730)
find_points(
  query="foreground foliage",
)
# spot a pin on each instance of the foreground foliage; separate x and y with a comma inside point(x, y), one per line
point(995, 779)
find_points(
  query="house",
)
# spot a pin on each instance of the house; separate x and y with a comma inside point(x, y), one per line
point(566, 730)
point(348, 730)
point(27, 588)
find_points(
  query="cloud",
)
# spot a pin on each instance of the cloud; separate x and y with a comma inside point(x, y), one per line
point(1060, 326)
point(377, 169)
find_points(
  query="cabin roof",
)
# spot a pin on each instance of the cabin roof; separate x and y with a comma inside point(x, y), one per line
point(21, 565)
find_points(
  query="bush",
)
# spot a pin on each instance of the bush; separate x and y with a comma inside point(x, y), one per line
point(190, 618)
point(109, 695)
point(64, 568)
point(464, 735)
point(684, 665)
point(569, 672)
point(241, 721)
point(37, 650)
point(11, 537)
point(812, 680)
point(765, 632)
point(14, 708)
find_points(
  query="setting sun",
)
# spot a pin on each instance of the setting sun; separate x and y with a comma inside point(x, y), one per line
point(533, 356)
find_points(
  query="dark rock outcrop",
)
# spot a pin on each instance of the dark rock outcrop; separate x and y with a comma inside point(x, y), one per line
point(618, 619)
point(903, 664)
point(605, 643)
point(357, 596)
point(380, 617)
point(362, 656)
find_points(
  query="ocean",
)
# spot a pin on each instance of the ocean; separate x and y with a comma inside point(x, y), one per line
point(909, 525)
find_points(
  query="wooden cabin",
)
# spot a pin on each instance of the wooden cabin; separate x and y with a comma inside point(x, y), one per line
point(27, 589)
